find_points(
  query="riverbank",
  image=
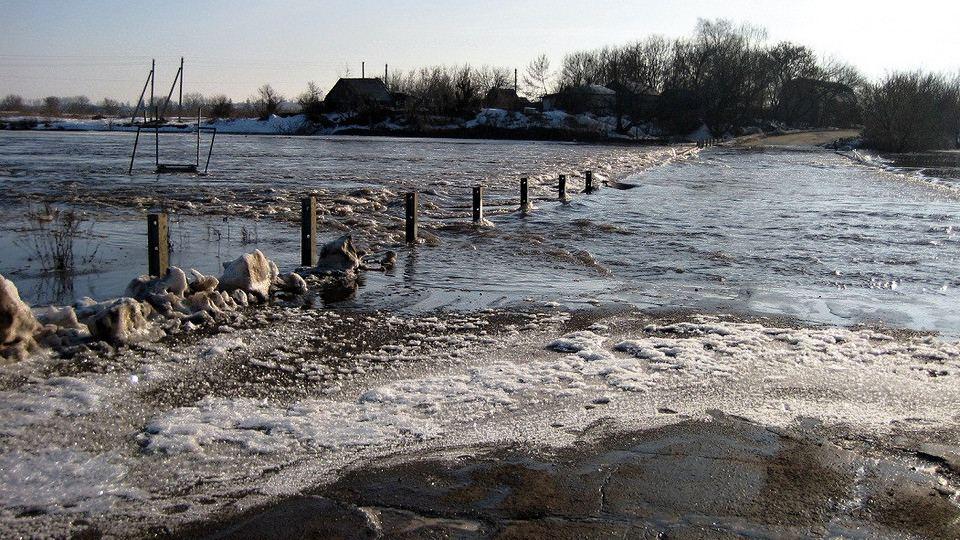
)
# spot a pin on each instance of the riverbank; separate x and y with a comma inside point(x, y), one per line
point(815, 138)
point(572, 418)
point(487, 124)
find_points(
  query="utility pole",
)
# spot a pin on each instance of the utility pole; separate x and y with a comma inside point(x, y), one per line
point(153, 76)
point(180, 106)
point(385, 73)
point(515, 89)
point(363, 70)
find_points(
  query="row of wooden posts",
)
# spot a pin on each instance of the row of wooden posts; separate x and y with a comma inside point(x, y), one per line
point(713, 141)
point(158, 229)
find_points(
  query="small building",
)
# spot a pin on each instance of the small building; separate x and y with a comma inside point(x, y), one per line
point(589, 98)
point(504, 98)
point(353, 95)
point(635, 100)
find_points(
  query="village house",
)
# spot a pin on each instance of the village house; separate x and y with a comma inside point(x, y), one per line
point(589, 98)
point(505, 98)
point(634, 100)
point(353, 95)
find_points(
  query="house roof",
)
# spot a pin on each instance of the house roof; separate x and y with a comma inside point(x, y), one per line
point(371, 89)
point(505, 92)
point(632, 87)
point(591, 89)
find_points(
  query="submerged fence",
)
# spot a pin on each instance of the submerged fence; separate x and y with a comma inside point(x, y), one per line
point(158, 239)
point(158, 230)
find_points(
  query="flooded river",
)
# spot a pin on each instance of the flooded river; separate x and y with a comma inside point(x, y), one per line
point(810, 234)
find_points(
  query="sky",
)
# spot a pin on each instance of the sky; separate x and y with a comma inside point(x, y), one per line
point(103, 48)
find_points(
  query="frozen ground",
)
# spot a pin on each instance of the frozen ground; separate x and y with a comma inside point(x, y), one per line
point(206, 427)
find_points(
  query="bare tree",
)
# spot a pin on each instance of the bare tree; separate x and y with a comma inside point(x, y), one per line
point(220, 106)
point(51, 106)
point(267, 102)
point(311, 101)
point(11, 102)
point(536, 77)
point(110, 107)
point(912, 111)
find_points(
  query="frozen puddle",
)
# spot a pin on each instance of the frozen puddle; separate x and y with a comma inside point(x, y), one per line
point(264, 411)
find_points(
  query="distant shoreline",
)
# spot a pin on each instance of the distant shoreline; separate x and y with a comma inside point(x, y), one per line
point(601, 129)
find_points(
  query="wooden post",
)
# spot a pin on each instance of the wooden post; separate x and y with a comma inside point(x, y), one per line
point(133, 156)
point(524, 199)
point(156, 131)
point(199, 114)
point(153, 78)
point(308, 231)
point(412, 202)
point(562, 186)
point(477, 203)
point(180, 107)
point(158, 244)
point(588, 180)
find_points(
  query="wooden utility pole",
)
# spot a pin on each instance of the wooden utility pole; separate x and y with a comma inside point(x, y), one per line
point(180, 106)
point(153, 77)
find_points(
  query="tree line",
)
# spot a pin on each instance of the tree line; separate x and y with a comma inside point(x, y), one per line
point(725, 76)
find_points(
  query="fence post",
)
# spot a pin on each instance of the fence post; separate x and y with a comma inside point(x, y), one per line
point(412, 203)
point(588, 179)
point(308, 231)
point(562, 186)
point(524, 199)
point(158, 244)
point(477, 203)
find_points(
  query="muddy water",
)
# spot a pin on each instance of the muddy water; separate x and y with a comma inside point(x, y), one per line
point(808, 234)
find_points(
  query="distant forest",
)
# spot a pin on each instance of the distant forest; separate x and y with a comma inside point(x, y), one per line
point(725, 76)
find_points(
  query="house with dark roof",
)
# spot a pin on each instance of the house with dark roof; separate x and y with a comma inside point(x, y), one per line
point(353, 95)
point(504, 98)
point(637, 101)
point(589, 98)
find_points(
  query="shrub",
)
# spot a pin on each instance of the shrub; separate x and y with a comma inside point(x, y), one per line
point(912, 111)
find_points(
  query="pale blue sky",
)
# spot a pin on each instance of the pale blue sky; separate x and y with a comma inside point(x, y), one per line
point(103, 47)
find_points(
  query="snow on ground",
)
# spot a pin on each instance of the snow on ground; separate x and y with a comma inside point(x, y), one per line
point(36, 402)
point(274, 125)
point(298, 123)
point(102, 446)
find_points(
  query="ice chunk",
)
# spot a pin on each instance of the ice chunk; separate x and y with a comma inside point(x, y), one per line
point(17, 323)
point(252, 273)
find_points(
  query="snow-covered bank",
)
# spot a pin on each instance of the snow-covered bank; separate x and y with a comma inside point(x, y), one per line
point(275, 404)
point(485, 121)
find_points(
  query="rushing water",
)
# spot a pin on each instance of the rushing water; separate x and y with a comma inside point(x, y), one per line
point(810, 234)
